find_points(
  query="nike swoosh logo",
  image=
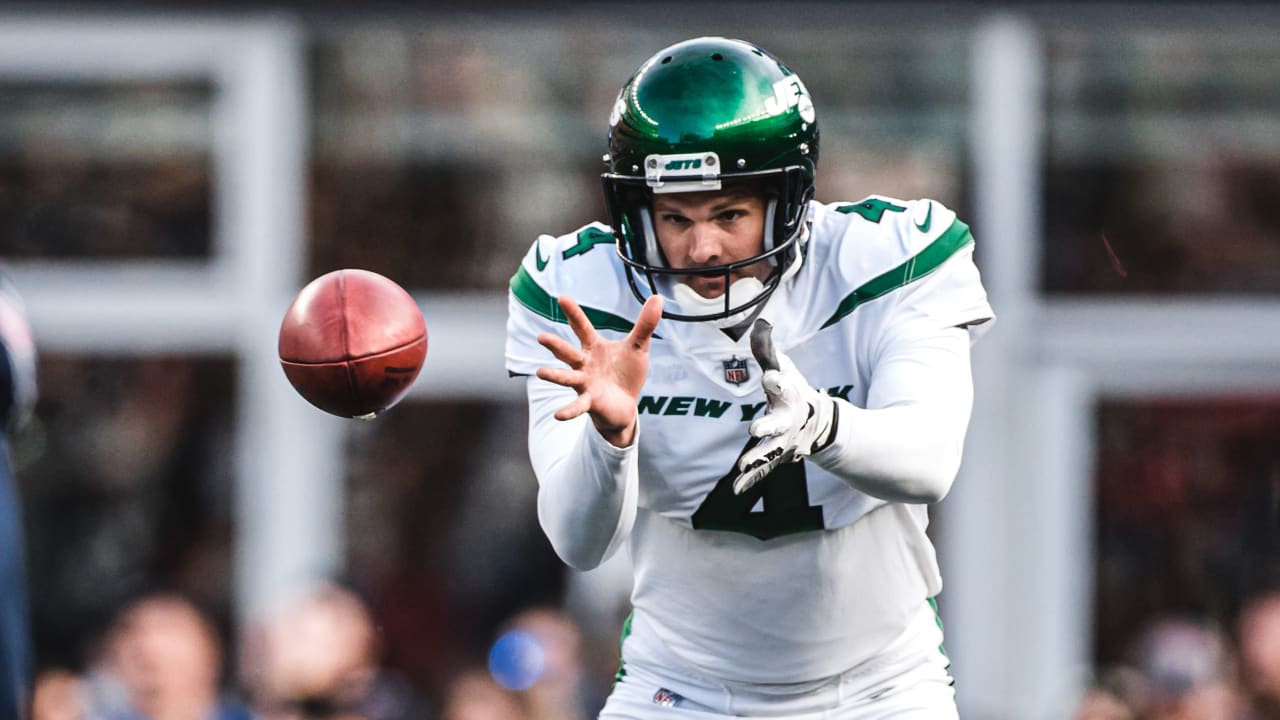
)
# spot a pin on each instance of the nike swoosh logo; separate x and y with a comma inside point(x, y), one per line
point(537, 255)
point(922, 227)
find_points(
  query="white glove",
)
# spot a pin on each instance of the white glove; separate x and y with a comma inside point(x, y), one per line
point(799, 421)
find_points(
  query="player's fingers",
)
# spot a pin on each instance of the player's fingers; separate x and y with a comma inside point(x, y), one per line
point(563, 376)
point(646, 323)
point(760, 454)
point(578, 321)
point(748, 480)
point(773, 423)
point(754, 473)
point(755, 467)
point(580, 405)
point(565, 351)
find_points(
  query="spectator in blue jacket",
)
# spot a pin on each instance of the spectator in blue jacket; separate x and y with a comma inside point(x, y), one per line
point(17, 399)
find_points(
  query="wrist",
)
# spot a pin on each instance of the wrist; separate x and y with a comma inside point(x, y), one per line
point(828, 436)
point(619, 437)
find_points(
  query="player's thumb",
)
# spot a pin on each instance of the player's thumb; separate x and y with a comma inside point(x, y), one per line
point(646, 323)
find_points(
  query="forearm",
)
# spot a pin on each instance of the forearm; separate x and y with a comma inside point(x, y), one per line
point(903, 454)
point(907, 446)
point(587, 487)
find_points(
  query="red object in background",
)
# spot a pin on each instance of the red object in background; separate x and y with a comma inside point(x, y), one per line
point(352, 343)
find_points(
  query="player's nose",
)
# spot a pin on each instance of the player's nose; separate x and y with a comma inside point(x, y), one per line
point(706, 244)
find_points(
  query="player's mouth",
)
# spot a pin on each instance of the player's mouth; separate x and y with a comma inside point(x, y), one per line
point(709, 285)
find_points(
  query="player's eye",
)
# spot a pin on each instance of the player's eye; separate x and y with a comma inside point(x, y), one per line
point(673, 219)
point(732, 214)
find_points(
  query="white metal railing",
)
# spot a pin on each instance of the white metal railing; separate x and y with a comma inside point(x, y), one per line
point(288, 458)
point(1017, 531)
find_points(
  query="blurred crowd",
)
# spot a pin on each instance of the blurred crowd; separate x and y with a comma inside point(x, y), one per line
point(1184, 668)
point(318, 655)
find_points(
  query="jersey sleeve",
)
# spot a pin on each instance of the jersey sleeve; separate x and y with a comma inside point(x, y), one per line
point(922, 309)
point(905, 444)
point(941, 286)
point(588, 489)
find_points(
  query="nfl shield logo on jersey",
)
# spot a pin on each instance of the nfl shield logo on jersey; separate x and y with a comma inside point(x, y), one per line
point(666, 698)
point(735, 370)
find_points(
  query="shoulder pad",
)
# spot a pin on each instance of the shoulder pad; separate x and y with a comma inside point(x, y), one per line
point(582, 264)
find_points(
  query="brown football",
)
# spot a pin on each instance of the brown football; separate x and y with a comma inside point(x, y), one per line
point(352, 343)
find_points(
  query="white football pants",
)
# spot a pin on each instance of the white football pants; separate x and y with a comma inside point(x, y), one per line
point(910, 681)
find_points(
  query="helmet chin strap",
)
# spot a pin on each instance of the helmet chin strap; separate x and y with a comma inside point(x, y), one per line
point(741, 292)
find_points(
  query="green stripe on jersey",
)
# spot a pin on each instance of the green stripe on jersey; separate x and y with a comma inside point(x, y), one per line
point(532, 296)
point(626, 632)
point(937, 617)
point(924, 262)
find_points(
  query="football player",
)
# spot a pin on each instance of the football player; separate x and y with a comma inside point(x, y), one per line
point(758, 395)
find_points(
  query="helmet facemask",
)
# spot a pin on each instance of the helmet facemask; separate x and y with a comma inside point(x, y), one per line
point(630, 205)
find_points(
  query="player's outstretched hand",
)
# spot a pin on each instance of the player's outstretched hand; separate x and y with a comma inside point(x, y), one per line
point(798, 421)
point(607, 374)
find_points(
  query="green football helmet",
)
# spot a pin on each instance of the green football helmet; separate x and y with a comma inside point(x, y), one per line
point(695, 116)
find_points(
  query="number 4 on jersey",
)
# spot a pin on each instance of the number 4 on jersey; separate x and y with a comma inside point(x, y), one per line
point(785, 496)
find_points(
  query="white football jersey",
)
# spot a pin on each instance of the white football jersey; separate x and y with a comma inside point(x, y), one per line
point(802, 576)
